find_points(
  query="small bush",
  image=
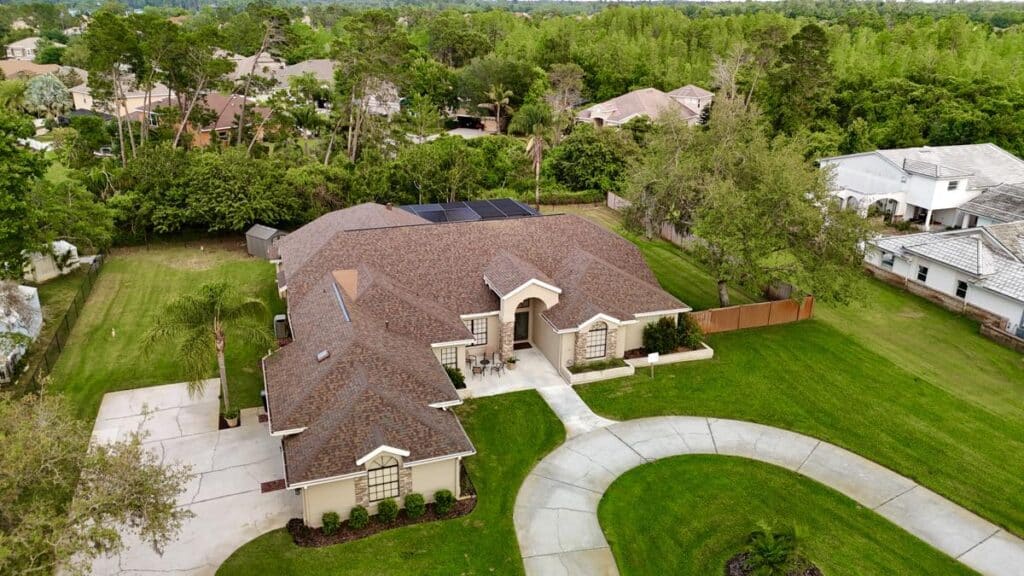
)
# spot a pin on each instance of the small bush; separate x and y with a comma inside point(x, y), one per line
point(690, 333)
point(772, 552)
point(387, 510)
point(331, 522)
point(415, 505)
point(661, 336)
point(456, 376)
point(444, 501)
point(358, 518)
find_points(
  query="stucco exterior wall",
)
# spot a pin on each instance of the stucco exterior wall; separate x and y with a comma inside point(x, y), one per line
point(868, 174)
point(429, 478)
point(632, 335)
point(493, 339)
point(337, 497)
point(1011, 310)
point(508, 307)
point(545, 339)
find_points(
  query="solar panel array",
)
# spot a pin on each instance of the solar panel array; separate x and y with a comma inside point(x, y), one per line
point(471, 210)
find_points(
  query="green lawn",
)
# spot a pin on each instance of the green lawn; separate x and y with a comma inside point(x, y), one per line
point(105, 352)
point(717, 501)
point(511, 433)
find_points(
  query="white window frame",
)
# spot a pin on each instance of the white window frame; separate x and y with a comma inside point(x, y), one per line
point(960, 283)
point(449, 357)
point(952, 185)
point(384, 480)
point(479, 334)
point(922, 273)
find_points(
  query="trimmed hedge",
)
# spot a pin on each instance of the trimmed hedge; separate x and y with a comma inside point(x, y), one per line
point(415, 505)
point(444, 501)
point(387, 510)
point(358, 518)
point(599, 365)
point(331, 522)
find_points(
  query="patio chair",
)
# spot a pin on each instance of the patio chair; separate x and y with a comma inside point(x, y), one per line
point(477, 368)
point(497, 366)
point(470, 359)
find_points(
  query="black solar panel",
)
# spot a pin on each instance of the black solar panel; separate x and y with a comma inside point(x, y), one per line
point(472, 210)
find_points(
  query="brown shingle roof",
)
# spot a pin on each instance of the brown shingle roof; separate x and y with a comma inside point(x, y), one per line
point(376, 298)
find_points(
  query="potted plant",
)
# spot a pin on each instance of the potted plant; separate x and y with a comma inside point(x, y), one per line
point(510, 362)
point(230, 417)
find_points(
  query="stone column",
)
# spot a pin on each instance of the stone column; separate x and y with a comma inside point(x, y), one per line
point(507, 337)
point(362, 492)
point(404, 481)
point(612, 343)
point(579, 350)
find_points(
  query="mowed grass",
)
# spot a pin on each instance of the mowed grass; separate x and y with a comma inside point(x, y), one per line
point(105, 352)
point(511, 433)
point(702, 508)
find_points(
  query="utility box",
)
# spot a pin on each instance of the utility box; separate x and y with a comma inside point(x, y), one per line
point(281, 330)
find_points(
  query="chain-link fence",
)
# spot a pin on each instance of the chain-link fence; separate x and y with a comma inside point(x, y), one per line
point(32, 379)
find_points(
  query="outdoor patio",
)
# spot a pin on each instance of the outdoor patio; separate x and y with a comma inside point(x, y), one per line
point(531, 371)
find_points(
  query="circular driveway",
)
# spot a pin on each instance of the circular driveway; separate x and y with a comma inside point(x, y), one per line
point(556, 509)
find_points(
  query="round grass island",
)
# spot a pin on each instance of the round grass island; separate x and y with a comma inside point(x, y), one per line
point(691, 514)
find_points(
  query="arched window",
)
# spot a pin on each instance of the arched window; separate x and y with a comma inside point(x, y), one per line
point(597, 341)
point(382, 478)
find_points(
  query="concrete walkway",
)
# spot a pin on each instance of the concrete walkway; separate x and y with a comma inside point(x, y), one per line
point(556, 509)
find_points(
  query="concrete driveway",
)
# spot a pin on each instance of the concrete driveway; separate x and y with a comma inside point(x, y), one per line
point(225, 495)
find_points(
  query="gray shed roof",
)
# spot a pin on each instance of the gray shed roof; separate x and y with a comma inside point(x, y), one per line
point(262, 232)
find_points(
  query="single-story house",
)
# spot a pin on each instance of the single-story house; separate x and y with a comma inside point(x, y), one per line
point(687, 102)
point(26, 48)
point(134, 96)
point(381, 300)
point(942, 186)
point(266, 65)
point(976, 271)
point(61, 259)
point(223, 127)
point(21, 314)
point(259, 239)
point(321, 68)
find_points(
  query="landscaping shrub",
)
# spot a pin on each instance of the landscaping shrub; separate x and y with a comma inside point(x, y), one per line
point(387, 510)
point(771, 552)
point(661, 336)
point(456, 376)
point(331, 522)
point(444, 501)
point(690, 333)
point(358, 518)
point(415, 505)
point(599, 365)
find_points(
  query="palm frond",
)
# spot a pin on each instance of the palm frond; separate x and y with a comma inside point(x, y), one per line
point(252, 332)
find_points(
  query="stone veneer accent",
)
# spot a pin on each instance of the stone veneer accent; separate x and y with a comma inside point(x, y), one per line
point(507, 339)
point(404, 481)
point(580, 346)
point(362, 492)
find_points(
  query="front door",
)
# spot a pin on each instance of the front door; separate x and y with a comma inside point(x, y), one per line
point(521, 330)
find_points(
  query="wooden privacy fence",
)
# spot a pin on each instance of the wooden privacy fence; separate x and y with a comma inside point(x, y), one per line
point(754, 315)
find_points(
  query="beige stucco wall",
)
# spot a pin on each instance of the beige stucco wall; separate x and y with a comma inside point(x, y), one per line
point(634, 333)
point(337, 497)
point(340, 496)
point(545, 339)
point(508, 307)
point(460, 353)
point(429, 478)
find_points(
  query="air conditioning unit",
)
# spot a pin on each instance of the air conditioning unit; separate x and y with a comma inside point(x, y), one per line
point(281, 330)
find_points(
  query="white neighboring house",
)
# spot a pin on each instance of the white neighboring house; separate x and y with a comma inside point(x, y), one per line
point(977, 271)
point(43, 266)
point(24, 317)
point(26, 48)
point(687, 101)
point(934, 186)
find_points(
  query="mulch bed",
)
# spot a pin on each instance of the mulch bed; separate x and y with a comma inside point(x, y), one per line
point(736, 566)
point(308, 537)
point(642, 352)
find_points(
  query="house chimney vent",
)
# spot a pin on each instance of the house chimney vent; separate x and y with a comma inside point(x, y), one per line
point(389, 205)
point(323, 355)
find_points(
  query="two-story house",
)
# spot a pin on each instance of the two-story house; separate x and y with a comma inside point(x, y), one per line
point(941, 186)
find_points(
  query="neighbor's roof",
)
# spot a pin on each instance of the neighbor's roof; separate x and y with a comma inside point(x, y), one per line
point(266, 64)
point(30, 43)
point(691, 91)
point(986, 164)
point(649, 102)
point(1002, 203)
point(26, 68)
point(262, 232)
point(227, 107)
point(322, 69)
point(994, 255)
point(373, 288)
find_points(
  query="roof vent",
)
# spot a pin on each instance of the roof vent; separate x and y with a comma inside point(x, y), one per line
point(323, 355)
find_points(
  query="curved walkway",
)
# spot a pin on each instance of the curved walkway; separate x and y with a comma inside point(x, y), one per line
point(556, 509)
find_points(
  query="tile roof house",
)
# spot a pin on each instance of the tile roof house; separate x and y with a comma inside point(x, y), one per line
point(26, 48)
point(979, 271)
point(946, 186)
point(687, 101)
point(225, 109)
point(381, 301)
point(134, 96)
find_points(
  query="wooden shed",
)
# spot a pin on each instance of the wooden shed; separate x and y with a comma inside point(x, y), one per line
point(260, 238)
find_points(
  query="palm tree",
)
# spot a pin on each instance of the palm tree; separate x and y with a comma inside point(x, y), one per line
point(200, 323)
point(46, 95)
point(535, 148)
point(498, 98)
